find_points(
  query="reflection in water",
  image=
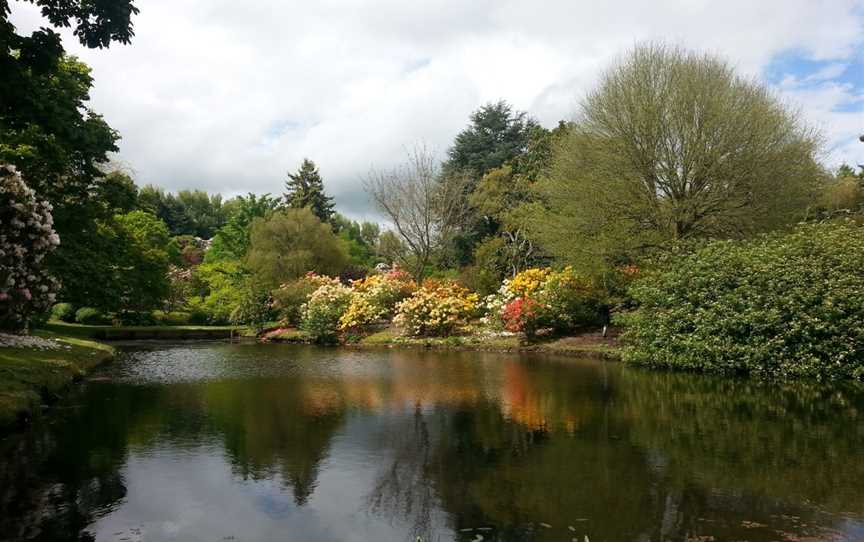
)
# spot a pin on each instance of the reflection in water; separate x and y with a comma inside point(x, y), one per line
point(264, 442)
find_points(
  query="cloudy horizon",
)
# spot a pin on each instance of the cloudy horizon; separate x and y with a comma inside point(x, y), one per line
point(209, 96)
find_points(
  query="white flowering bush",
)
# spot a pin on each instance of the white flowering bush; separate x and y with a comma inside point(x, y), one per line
point(321, 313)
point(26, 238)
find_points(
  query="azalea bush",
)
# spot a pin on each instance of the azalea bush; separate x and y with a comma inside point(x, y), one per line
point(26, 238)
point(436, 309)
point(542, 298)
point(780, 305)
point(322, 312)
point(375, 298)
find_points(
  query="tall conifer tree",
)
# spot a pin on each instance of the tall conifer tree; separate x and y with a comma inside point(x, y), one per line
point(306, 189)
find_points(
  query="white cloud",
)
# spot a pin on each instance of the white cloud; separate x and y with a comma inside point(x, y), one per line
point(227, 97)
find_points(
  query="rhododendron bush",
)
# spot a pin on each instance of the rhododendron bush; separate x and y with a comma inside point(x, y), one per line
point(326, 305)
point(26, 238)
point(375, 298)
point(543, 298)
point(436, 309)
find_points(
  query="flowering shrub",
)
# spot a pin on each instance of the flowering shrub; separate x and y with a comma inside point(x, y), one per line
point(289, 298)
point(27, 236)
point(376, 297)
point(521, 315)
point(436, 309)
point(527, 282)
point(542, 298)
point(321, 313)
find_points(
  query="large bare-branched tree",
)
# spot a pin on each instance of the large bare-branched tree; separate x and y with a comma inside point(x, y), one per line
point(673, 144)
point(423, 206)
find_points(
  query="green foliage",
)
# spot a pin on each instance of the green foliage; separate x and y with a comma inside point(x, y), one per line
point(46, 128)
point(254, 308)
point(674, 145)
point(495, 136)
point(305, 190)
point(64, 312)
point(780, 305)
point(117, 193)
point(172, 318)
point(290, 243)
point(220, 291)
point(89, 315)
point(190, 212)
point(231, 242)
point(137, 318)
point(146, 255)
point(289, 298)
point(360, 238)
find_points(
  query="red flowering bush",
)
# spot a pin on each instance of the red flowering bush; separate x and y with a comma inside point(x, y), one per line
point(522, 315)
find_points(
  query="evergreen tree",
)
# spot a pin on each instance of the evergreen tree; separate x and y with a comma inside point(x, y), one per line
point(306, 189)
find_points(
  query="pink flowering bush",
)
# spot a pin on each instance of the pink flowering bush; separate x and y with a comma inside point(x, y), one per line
point(26, 238)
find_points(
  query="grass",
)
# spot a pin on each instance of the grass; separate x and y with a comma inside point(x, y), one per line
point(31, 377)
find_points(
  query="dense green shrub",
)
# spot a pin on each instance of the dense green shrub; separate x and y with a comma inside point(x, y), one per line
point(64, 312)
point(172, 318)
point(254, 309)
point(89, 315)
point(137, 318)
point(288, 299)
point(780, 305)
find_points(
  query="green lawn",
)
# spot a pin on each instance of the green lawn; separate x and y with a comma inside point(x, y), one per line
point(31, 377)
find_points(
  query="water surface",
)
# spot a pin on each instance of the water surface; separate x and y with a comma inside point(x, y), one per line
point(235, 442)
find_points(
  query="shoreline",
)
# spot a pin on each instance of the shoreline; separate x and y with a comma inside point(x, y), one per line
point(589, 344)
point(32, 379)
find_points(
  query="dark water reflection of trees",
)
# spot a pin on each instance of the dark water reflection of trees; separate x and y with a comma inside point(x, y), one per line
point(476, 441)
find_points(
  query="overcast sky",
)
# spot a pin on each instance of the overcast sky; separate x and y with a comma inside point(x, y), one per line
point(227, 96)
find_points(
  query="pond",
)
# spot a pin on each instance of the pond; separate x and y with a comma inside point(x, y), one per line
point(250, 442)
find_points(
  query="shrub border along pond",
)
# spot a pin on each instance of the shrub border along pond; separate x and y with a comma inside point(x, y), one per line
point(32, 377)
point(128, 333)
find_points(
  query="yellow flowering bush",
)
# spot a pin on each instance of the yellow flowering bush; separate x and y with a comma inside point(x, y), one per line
point(525, 283)
point(436, 309)
point(375, 297)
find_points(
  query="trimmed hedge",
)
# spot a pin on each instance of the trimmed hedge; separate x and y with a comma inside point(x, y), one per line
point(780, 305)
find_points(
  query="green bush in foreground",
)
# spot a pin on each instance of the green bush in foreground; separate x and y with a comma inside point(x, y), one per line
point(89, 315)
point(776, 306)
point(64, 312)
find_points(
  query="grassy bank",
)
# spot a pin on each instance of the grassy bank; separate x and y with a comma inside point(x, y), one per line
point(123, 333)
point(591, 344)
point(32, 377)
